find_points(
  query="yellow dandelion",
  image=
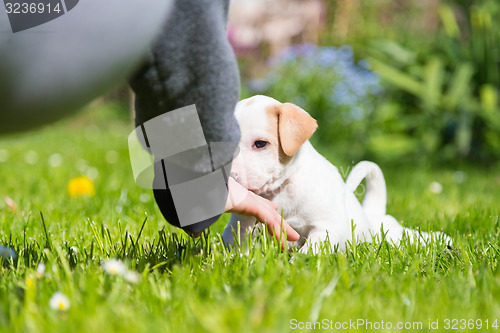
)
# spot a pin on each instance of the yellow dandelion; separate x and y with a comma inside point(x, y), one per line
point(30, 282)
point(30, 292)
point(59, 301)
point(81, 186)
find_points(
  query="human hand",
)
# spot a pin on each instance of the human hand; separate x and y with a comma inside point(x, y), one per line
point(244, 202)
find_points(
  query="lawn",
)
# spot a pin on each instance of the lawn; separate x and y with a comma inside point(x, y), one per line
point(199, 285)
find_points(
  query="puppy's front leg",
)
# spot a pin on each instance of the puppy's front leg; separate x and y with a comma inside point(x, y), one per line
point(246, 224)
point(314, 240)
point(332, 225)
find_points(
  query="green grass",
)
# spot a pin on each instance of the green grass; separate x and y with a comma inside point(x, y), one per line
point(198, 285)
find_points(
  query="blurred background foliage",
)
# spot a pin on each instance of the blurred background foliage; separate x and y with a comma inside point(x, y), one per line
point(391, 80)
point(398, 81)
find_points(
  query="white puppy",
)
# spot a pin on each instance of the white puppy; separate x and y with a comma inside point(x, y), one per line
point(277, 161)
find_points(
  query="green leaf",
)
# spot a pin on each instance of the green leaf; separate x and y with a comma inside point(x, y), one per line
point(459, 86)
point(489, 97)
point(434, 74)
point(489, 106)
point(395, 52)
point(449, 22)
point(398, 78)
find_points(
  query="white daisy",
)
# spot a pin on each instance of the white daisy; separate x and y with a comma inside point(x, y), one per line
point(435, 187)
point(114, 267)
point(59, 301)
point(132, 276)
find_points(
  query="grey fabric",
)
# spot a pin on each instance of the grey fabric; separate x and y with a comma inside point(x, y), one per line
point(48, 71)
point(193, 63)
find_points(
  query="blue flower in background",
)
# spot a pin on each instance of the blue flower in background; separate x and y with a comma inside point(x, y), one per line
point(291, 53)
point(346, 84)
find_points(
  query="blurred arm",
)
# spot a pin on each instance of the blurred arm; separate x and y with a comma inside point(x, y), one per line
point(53, 69)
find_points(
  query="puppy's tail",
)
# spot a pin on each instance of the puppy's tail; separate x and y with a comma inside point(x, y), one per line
point(375, 200)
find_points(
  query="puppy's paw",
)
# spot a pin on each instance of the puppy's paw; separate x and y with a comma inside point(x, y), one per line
point(426, 238)
point(441, 237)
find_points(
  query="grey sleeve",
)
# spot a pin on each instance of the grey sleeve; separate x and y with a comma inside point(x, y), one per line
point(192, 62)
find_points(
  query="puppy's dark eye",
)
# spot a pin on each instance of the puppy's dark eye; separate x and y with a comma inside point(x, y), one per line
point(260, 144)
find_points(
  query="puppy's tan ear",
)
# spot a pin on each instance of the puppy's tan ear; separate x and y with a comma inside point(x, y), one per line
point(295, 126)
